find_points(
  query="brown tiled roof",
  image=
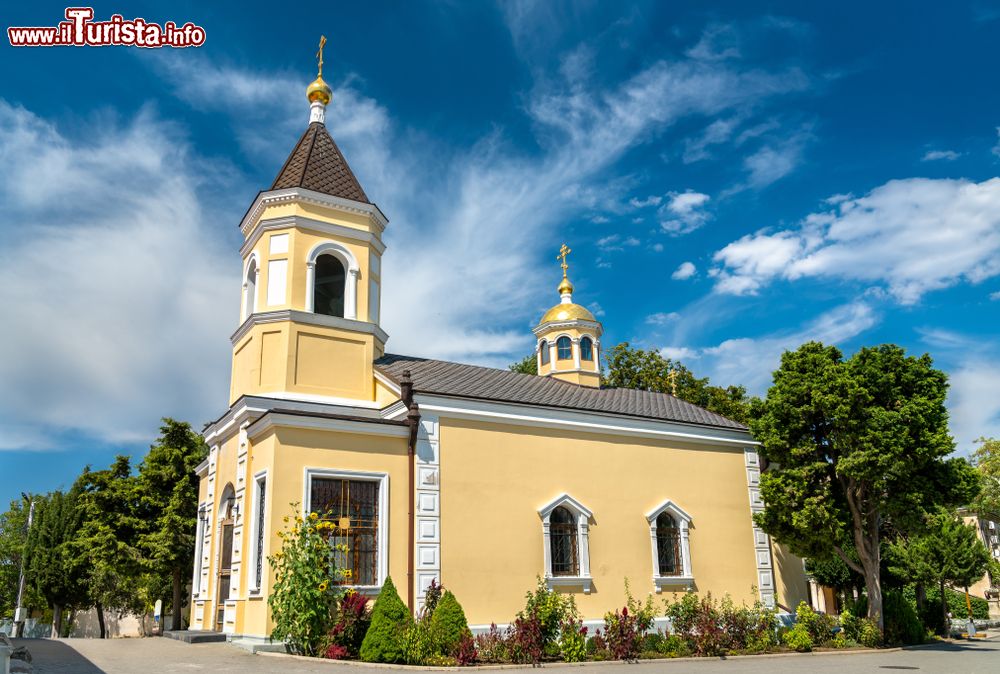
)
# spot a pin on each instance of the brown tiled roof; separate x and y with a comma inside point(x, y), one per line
point(473, 381)
point(317, 164)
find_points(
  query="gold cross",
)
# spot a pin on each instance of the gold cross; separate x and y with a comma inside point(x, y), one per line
point(673, 381)
point(563, 252)
point(319, 54)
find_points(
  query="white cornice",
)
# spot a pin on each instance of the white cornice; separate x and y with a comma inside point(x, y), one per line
point(274, 419)
point(292, 194)
point(589, 422)
point(549, 326)
point(388, 383)
point(250, 408)
point(302, 222)
point(297, 316)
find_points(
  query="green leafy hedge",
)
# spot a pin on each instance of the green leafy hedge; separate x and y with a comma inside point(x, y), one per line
point(448, 624)
point(386, 637)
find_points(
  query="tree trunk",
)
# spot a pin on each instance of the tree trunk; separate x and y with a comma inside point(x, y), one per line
point(921, 598)
point(944, 612)
point(873, 586)
point(57, 614)
point(176, 622)
point(100, 619)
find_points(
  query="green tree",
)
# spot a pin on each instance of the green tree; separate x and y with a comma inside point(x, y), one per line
point(448, 624)
point(948, 552)
point(833, 572)
point(986, 459)
point(386, 637)
point(168, 489)
point(13, 541)
point(53, 569)
point(107, 543)
point(527, 365)
point(855, 446)
point(649, 370)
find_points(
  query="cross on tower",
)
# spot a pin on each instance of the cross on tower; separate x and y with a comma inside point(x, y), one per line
point(563, 252)
point(319, 53)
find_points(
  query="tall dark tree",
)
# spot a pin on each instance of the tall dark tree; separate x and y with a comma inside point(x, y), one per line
point(108, 539)
point(947, 552)
point(855, 446)
point(986, 459)
point(13, 543)
point(649, 370)
point(53, 568)
point(168, 489)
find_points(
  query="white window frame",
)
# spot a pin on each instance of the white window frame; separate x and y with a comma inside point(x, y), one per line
point(686, 577)
point(382, 563)
point(583, 516)
point(250, 289)
point(256, 540)
point(352, 271)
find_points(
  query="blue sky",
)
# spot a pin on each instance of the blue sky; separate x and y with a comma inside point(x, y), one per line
point(733, 181)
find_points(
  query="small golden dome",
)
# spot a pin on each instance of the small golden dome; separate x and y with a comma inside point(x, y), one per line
point(567, 312)
point(565, 286)
point(320, 91)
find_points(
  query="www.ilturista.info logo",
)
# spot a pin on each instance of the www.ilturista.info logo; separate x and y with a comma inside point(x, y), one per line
point(81, 30)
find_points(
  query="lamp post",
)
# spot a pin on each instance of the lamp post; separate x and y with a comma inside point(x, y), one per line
point(21, 613)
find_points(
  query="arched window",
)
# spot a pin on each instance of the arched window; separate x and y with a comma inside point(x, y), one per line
point(668, 546)
point(544, 349)
point(563, 543)
point(586, 349)
point(328, 286)
point(250, 290)
point(668, 529)
point(564, 348)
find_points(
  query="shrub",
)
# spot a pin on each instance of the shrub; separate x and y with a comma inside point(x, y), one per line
point(623, 634)
point(527, 640)
point(305, 593)
point(697, 621)
point(465, 652)
point(386, 639)
point(448, 625)
point(597, 648)
point(550, 609)
point(572, 640)
point(353, 619)
point(798, 638)
point(493, 646)
point(418, 644)
point(432, 595)
point(818, 625)
point(669, 645)
point(901, 622)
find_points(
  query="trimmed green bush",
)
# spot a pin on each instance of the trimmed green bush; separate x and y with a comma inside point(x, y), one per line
point(448, 624)
point(798, 638)
point(391, 620)
point(902, 626)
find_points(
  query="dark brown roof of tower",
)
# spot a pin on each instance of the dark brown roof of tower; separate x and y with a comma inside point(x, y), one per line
point(317, 164)
point(486, 383)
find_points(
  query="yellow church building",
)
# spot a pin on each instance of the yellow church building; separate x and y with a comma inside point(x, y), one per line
point(478, 478)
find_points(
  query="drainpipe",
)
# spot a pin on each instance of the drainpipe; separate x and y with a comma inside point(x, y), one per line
point(413, 421)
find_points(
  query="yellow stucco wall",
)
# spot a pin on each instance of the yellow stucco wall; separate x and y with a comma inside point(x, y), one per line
point(494, 478)
point(791, 583)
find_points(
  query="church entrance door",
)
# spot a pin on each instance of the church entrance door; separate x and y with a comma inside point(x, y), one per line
point(225, 573)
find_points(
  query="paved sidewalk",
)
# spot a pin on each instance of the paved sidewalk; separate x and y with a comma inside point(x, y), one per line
point(166, 656)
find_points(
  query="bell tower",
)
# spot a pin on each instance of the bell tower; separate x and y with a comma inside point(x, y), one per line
point(568, 335)
point(312, 265)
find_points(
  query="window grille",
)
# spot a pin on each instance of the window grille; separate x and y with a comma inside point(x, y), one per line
point(668, 546)
point(352, 506)
point(563, 541)
point(259, 571)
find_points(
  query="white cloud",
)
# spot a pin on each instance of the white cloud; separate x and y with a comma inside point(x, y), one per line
point(684, 212)
point(938, 155)
point(685, 271)
point(914, 235)
point(996, 148)
point(118, 299)
point(773, 161)
point(716, 133)
point(653, 200)
point(718, 42)
point(751, 361)
point(995, 296)
point(681, 353)
point(662, 318)
point(974, 402)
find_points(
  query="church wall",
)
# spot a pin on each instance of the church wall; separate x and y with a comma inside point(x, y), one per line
point(494, 478)
point(790, 574)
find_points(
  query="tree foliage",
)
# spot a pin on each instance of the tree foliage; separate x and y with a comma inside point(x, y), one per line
point(13, 541)
point(527, 365)
point(948, 552)
point(649, 370)
point(986, 459)
point(391, 620)
point(448, 624)
point(855, 446)
point(168, 500)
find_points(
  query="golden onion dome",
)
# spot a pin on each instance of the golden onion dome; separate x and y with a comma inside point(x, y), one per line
point(567, 312)
point(565, 286)
point(320, 91)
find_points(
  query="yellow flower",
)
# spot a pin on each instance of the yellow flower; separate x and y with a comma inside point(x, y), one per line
point(347, 573)
point(323, 586)
point(285, 518)
point(313, 516)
